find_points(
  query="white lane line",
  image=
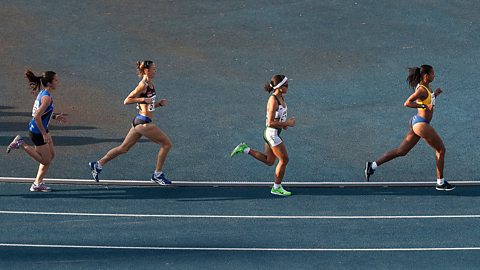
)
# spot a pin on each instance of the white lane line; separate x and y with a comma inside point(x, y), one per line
point(243, 249)
point(225, 183)
point(234, 216)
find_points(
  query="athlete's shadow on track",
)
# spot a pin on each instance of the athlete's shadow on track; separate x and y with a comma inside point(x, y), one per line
point(462, 191)
point(184, 194)
point(23, 126)
point(206, 194)
point(70, 140)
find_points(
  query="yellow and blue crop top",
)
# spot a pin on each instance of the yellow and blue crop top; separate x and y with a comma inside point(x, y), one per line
point(430, 98)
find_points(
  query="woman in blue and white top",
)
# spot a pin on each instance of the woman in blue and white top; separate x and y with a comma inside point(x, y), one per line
point(276, 121)
point(142, 125)
point(42, 112)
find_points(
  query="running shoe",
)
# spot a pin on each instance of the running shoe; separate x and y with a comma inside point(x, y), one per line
point(160, 179)
point(280, 191)
point(40, 188)
point(445, 187)
point(15, 144)
point(95, 170)
point(368, 171)
point(239, 149)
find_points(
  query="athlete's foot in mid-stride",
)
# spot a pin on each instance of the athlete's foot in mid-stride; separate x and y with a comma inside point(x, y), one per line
point(445, 187)
point(239, 149)
point(368, 170)
point(95, 170)
point(280, 191)
point(15, 144)
point(160, 179)
point(40, 188)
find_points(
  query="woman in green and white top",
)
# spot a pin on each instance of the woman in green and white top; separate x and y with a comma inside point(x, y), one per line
point(275, 122)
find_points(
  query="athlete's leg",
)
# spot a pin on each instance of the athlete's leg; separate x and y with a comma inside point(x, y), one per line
point(280, 151)
point(411, 139)
point(156, 135)
point(130, 140)
point(33, 152)
point(46, 152)
point(267, 158)
point(429, 134)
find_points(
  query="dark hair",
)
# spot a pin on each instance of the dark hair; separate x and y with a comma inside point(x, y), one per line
point(37, 82)
point(276, 79)
point(142, 65)
point(415, 74)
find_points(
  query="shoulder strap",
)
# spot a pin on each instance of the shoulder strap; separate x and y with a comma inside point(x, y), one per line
point(278, 100)
point(426, 88)
point(145, 82)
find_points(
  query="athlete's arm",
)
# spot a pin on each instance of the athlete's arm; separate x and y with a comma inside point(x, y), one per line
point(59, 117)
point(272, 107)
point(419, 94)
point(134, 96)
point(161, 103)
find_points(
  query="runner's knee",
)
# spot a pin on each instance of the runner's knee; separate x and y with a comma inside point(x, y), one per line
point(284, 160)
point(46, 161)
point(270, 162)
point(167, 144)
point(442, 150)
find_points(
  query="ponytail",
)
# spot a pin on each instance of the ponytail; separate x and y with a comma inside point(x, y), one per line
point(37, 82)
point(415, 74)
point(268, 87)
point(142, 65)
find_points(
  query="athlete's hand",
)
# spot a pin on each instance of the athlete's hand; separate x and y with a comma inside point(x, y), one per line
point(148, 100)
point(429, 107)
point(61, 118)
point(291, 122)
point(47, 138)
point(438, 91)
point(163, 102)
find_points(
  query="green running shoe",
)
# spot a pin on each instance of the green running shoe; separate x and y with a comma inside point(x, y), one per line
point(280, 191)
point(239, 149)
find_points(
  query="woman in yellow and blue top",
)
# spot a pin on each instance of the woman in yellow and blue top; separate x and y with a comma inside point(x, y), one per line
point(423, 99)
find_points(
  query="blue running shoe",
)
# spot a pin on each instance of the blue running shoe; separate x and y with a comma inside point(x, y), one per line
point(161, 179)
point(95, 170)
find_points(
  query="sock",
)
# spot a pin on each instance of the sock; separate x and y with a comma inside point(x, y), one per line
point(374, 165)
point(275, 186)
point(440, 181)
point(98, 165)
point(158, 173)
point(246, 150)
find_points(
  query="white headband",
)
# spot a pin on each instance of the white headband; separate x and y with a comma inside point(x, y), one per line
point(281, 83)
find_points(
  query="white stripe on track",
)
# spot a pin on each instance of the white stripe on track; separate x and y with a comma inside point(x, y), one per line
point(233, 216)
point(243, 249)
